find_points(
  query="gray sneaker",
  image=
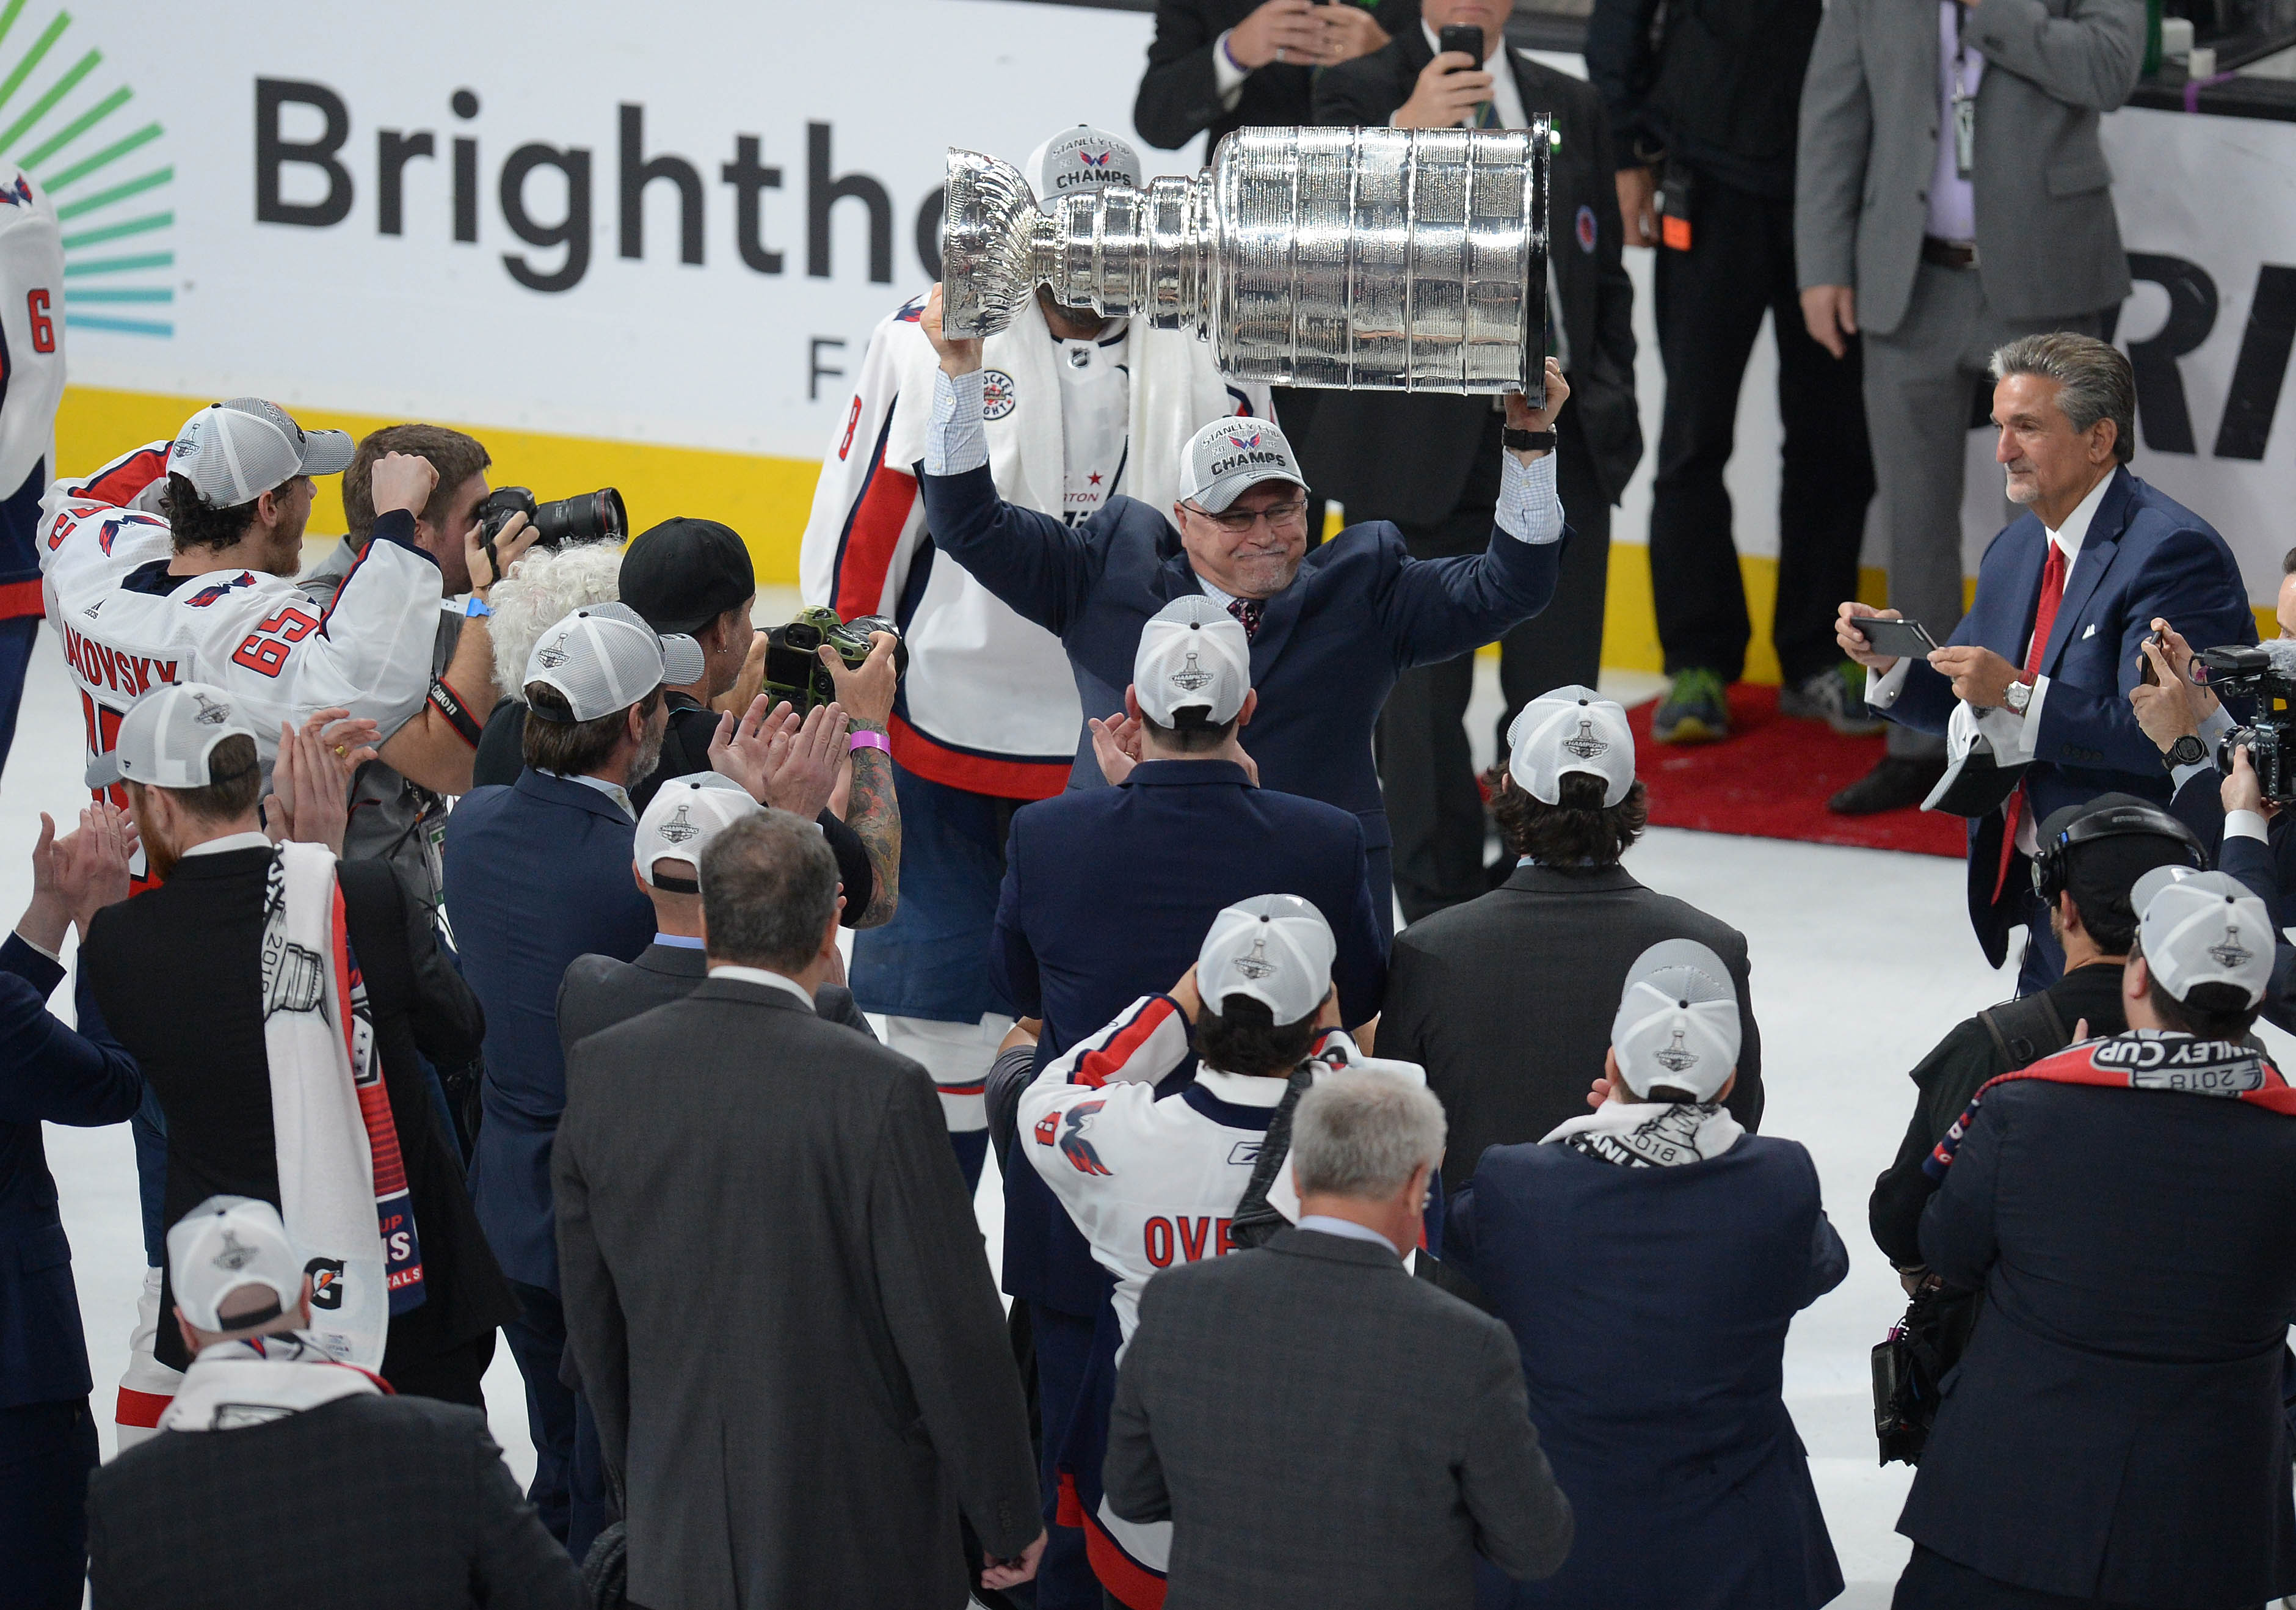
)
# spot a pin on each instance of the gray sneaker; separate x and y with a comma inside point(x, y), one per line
point(1836, 697)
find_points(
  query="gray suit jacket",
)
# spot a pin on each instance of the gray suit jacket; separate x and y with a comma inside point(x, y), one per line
point(599, 991)
point(776, 1294)
point(2047, 245)
point(1506, 1000)
point(1323, 1464)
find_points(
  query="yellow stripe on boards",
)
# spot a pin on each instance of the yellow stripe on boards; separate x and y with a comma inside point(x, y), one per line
point(767, 499)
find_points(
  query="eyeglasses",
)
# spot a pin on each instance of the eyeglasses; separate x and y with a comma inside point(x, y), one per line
point(1238, 523)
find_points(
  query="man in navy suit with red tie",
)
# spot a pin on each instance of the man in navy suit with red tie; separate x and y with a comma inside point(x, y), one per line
point(2041, 665)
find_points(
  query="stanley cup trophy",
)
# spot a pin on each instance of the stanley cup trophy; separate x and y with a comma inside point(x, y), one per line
point(1386, 259)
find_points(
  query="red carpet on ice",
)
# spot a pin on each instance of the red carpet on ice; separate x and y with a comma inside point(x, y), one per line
point(1771, 779)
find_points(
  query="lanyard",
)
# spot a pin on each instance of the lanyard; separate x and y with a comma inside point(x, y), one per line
point(1964, 104)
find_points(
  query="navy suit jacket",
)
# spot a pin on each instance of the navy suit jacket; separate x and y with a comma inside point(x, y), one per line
point(1652, 1306)
point(537, 874)
point(2145, 554)
point(1108, 895)
point(1329, 646)
point(2114, 1432)
point(48, 1072)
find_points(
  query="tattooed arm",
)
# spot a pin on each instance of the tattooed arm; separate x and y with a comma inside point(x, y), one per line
point(872, 810)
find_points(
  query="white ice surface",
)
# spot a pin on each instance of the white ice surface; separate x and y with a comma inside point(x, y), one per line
point(1861, 959)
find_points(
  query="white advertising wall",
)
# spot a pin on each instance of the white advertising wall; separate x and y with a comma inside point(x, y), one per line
point(671, 229)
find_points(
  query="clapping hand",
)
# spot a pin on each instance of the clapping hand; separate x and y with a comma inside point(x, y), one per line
point(788, 764)
point(77, 875)
point(1116, 745)
point(309, 800)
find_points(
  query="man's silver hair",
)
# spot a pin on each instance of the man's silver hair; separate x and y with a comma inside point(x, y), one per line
point(1364, 1133)
point(2097, 380)
point(542, 589)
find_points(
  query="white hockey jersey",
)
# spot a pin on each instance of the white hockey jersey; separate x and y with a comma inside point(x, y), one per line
point(990, 705)
point(1150, 1183)
point(127, 626)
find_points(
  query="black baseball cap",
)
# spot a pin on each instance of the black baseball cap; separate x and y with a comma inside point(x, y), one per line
point(684, 573)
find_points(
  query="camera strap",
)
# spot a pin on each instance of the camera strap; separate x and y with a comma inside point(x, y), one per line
point(449, 703)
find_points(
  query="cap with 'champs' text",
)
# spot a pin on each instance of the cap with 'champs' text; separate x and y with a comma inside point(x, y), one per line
point(1229, 456)
point(1192, 654)
point(1080, 159)
point(167, 737)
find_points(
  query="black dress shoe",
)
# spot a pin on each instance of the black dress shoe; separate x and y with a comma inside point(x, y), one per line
point(1897, 782)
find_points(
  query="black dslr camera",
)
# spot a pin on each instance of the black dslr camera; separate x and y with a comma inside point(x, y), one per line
point(793, 667)
point(584, 519)
point(2268, 678)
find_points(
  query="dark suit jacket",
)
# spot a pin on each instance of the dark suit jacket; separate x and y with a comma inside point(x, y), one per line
point(399, 1503)
point(1179, 94)
point(1506, 1000)
point(803, 1381)
point(2265, 869)
point(198, 1034)
point(1329, 646)
point(1674, 1424)
point(599, 991)
point(48, 1073)
point(2115, 1429)
point(2144, 555)
point(1168, 851)
point(1318, 1465)
point(1410, 456)
point(536, 875)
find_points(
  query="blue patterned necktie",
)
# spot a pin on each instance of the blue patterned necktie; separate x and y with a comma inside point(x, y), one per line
point(1246, 611)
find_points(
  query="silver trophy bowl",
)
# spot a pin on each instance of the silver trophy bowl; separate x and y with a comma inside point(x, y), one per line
point(1354, 258)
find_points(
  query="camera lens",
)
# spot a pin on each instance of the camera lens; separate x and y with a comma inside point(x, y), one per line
point(584, 519)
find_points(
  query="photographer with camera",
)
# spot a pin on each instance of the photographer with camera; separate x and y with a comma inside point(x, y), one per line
point(694, 577)
point(2187, 721)
point(2031, 691)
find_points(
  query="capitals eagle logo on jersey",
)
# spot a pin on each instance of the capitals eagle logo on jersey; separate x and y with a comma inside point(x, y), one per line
point(1073, 1146)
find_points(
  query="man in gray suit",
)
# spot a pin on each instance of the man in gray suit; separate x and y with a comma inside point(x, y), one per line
point(1323, 1431)
point(1490, 997)
point(677, 825)
point(773, 1283)
point(1952, 197)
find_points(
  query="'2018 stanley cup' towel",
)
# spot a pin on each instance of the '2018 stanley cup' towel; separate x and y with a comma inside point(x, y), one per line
point(2143, 1059)
point(343, 1187)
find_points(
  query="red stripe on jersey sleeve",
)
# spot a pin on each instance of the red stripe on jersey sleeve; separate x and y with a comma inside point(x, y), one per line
point(123, 481)
point(21, 598)
point(975, 774)
point(1095, 1068)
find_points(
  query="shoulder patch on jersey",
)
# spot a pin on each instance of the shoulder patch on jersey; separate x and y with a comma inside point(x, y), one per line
point(1075, 1147)
point(221, 590)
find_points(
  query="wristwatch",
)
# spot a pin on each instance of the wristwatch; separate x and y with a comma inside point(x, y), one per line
point(1528, 442)
point(2186, 751)
point(2019, 695)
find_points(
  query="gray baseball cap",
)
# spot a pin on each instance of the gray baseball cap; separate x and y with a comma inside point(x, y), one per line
point(2203, 928)
point(1192, 652)
point(1229, 456)
point(1677, 1021)
point(1081, 158)
point(166, 738)
point(1276, 948)
point(604, 657)
point(233, 452)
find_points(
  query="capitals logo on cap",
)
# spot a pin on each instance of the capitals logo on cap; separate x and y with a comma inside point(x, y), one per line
point(554, 655)
point(1191, 675)
point(1244, 444)
point(2229, 952)
point(20, 195)
point(212, 714)
point(1256, 965)
point(680, 828)
point(1090, 161)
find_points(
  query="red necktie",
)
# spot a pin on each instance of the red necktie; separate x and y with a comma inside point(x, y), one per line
point(1248, 610)
point(2044, 617)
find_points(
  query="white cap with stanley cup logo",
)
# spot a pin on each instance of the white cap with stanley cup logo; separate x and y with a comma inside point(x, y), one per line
point(681, 819)
point(167, 737)
point(1677, 1021)
point(2203, 928)
point(1276, 948)
point(225, 1244)
point(1573, 728)
point(1229, 456)
point(233, 452)
point(604, 657)
point(1192, 652)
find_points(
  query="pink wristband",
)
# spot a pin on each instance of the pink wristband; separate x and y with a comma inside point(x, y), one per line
point(864, 738)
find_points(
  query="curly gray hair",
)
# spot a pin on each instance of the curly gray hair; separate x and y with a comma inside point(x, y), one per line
point(542, 589)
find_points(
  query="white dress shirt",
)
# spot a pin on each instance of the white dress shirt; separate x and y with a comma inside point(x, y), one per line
point(1347, 1230)
point(760, 975)
point(613, 791)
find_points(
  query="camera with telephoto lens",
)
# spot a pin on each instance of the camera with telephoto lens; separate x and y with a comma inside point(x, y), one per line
point(793, 667)
point(2266, 675)
point(584, 519)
